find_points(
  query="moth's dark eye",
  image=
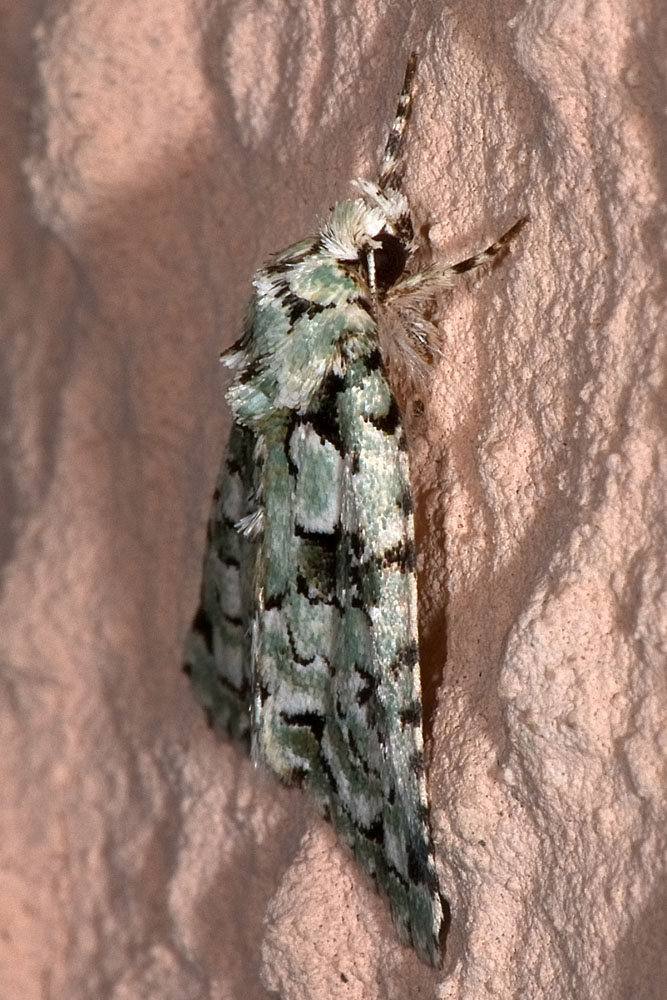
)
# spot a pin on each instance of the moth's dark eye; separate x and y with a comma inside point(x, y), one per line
point(390, 260)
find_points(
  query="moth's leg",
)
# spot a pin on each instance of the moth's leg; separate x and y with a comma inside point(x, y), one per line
point(429, 281)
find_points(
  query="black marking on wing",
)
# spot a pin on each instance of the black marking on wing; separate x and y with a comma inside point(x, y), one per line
point(353, 746)
point(401, 555)
point(420, 865)
point(364, 576)
point(327, 540)
point(324, 417)
point(389, 422)
point(411, 715)
point(201, 623)
point(276, 601)
point(375, 832)
point(406, 658)
point(227, 560)
point(297, 306)
point(317, 577)
point(416, 765)
point(226, 522)
point(357, 576)
point(294, 420)
point(368, 688)
point(246, 375)
point(356, 544)
point(279, 266)
point(228, 686)
point(423, 814)
point(309, 720)
point(234, 620)
point(235, 467)
point(409, 655)
point(373, 362)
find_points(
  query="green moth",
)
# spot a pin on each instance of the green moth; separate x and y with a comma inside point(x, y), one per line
point(305, 642)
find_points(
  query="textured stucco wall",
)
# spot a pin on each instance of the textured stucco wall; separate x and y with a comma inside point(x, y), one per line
point(153, 154)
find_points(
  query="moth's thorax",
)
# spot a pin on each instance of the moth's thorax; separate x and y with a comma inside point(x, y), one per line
point(315, 305)
point(300, 326)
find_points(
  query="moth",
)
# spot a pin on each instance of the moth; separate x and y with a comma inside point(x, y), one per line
point(305, 642)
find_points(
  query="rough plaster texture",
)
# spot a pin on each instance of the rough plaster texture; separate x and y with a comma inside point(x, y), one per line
point(153, 154)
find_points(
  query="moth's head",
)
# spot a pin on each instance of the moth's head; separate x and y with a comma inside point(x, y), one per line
point(375, 231)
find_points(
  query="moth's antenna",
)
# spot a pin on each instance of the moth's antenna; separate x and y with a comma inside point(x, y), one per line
point(391, 171)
